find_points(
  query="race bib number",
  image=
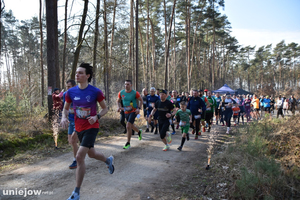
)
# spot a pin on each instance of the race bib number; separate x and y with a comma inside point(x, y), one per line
point(83, 113)
point(152, 105)
point(197, 116)
point(248, 104)
point(127, 108)
point(71, 110)
point(223, 108)
point(209, 108)
point(182, 123)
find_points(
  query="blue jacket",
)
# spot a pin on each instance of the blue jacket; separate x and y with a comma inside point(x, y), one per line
point(195, 104)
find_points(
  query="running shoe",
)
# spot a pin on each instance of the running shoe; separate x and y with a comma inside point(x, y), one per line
point(169, 139)
point(140, 134)
point(196, 137)
point(125, 131)
point(187, 136)
point(74, 196)
point(73, 165)
point(147, 130)
point(179, 148)
point(127, 146)
point(199, 133)
point(193, 131)
point(203, 129)
point(177, 127)
point(208, 130)
point(174, 132)
point(110, 166)
point(166, 148)
point(152, 128)
point(227, 132)
point(155, 132)
point(223, 125)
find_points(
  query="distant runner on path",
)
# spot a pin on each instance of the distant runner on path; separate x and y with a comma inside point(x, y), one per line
point(129, 98)
point(164, 108)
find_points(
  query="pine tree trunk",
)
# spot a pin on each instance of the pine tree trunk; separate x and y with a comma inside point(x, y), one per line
point(106, 71)
point(96, 35)
point(41, 54)
point(52, 37)
point(65, 45)
point(79, 39)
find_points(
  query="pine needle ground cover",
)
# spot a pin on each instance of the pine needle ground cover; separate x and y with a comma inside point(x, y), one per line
point(260, 161)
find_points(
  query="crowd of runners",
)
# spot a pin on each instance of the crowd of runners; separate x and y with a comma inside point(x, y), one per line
point(165, 111)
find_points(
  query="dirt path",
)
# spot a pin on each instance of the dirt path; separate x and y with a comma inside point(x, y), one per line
point(142, 172)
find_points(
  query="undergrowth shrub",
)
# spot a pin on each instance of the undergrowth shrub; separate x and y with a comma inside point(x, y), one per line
point(259, 175)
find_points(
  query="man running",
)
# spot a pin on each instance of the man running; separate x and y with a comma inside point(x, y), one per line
point(176, 99)
point(72, 136)
point(292, 104)
point(145, 94)
point(279, 106)
point(129, 98)
point(255, 103)
point(150, 101)
point(57, 108)
point(218, 110)
point(228, 103)
point(210, 109)
point(84, 98)
point(197, 106)
point(203, 114)
point(164, 108)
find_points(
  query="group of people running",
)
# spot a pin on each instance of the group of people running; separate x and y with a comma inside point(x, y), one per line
point(161, 110)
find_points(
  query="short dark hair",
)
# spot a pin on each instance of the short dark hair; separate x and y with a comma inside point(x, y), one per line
point(129, 81)
point(73, 83)
point(183, 103)
point(88, 70)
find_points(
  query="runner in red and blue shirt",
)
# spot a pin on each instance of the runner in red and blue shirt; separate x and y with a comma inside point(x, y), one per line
point(84, 98)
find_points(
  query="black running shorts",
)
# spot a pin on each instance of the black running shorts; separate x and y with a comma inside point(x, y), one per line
point(130, 117)
point(163, 126)
point(87, 137)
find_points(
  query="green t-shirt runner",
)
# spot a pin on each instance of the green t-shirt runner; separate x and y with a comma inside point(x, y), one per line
point(184, 119)
point(212, 106)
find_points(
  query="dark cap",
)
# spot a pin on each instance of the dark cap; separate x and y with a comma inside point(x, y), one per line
point(200, 90)
point(163, 91)
point(55, 89)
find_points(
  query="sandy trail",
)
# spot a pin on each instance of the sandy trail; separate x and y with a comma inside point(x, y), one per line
point(142, 172)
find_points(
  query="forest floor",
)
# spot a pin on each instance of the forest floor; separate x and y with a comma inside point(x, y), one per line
point(142, 172)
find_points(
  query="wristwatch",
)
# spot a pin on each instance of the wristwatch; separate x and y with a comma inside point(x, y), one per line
point(98, 116)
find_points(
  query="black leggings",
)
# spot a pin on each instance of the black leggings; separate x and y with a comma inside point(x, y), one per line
point(197, 123)
point(228, 119)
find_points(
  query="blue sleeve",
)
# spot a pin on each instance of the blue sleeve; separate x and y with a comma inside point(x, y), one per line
point(188, 106)
point(203, 105)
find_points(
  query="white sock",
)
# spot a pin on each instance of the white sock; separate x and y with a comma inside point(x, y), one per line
point(74, 159)
point(228, 128)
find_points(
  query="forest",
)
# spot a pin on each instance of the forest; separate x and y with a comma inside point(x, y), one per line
point(180, 44)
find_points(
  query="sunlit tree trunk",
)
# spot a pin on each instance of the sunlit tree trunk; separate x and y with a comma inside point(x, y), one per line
point(65, 45)
point(79, 39)
point(41, 54)
point(96, 35)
